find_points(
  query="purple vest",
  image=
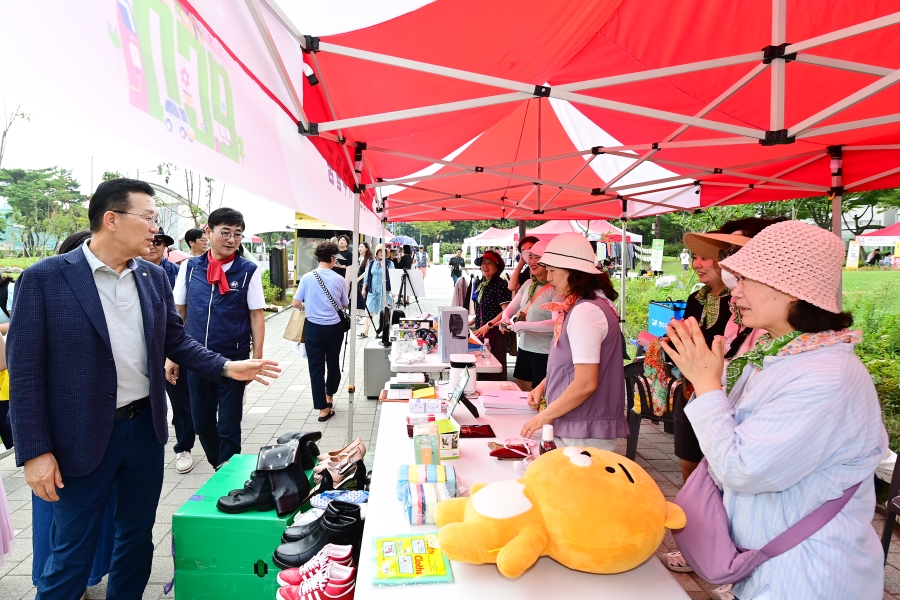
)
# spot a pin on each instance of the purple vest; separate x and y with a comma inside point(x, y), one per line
point(602, 415)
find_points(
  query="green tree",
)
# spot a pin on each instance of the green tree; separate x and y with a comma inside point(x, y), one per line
point(107, 175)
point(6, 125)
point(46, 206)
point(200, 202)
point(859, 209)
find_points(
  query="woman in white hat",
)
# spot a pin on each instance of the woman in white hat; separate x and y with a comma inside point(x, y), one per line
point(797, 423)
point(533, 323)
point(585, 383)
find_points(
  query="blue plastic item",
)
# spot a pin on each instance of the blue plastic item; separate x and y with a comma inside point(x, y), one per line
point(661, 312)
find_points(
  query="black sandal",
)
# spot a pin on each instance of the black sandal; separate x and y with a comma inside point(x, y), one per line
point(328, 416)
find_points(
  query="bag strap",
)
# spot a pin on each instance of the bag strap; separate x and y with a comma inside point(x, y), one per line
point(327, 293)
point(808, 525)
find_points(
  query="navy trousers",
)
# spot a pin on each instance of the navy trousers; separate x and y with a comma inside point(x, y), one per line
point(220, 437)
point(133, 464)
point(323, 349)
point(180, 399)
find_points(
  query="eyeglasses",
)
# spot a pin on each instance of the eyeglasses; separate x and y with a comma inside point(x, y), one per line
point(230, 236)
point(150, 219)
point(159, 242)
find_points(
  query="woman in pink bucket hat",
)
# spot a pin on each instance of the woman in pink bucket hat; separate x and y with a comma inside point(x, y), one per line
point(791, 424)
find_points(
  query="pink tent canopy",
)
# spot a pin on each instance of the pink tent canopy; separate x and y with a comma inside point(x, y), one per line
point(888, 236)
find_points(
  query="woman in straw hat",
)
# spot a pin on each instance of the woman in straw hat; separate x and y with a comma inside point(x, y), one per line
point(796, 422)
point(585, 383)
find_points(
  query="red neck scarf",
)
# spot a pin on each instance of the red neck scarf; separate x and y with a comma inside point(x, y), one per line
point(215, 274)
point(561, 308)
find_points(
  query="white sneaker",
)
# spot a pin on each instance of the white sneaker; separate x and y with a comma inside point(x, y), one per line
point(723, 592)
point(184, 463)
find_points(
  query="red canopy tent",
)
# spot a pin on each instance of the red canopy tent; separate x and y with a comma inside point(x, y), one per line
point(888, 236)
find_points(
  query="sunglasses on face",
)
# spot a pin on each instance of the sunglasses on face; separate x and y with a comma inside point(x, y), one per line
point(159, 242)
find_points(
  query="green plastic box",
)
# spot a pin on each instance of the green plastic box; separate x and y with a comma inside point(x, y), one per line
point(219, 556)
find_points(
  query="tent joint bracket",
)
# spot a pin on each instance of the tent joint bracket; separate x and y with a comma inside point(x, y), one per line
point(479, 169)
point(312, 130)
point(542, 91)
point(312, 44)
point(771, 53)
point(778, 137)
point(597, 150)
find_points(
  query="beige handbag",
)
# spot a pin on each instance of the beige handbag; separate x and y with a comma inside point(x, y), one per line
point(296, 327)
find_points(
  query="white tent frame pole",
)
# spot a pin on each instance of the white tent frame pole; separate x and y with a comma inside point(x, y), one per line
point(734, 173)
point(849, 125)
point(571, 179)
point(266, 35)
point(762, 186)
point(666, 199)
point(435, 109)
point(415, 65)
point(693, 67)
point(840, 34)
point(702, 113)
point(872, 178)
point(776, 100)
point(661, 115)
point(442, 175)
point(854, 98)
point(779, 174)
point(623, 272)
point(877, 147)
point(843, 65)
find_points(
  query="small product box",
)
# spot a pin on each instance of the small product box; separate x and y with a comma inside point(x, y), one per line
point(448, 432)
point(453, 334)
point(426, 444)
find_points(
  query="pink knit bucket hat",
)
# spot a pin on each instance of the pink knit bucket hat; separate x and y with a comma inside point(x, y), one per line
point(773, 257)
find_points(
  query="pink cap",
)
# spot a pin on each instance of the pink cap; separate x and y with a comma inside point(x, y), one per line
point(775, 257)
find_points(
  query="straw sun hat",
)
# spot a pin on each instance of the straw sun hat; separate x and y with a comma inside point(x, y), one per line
point(570, 251)
point(708, 245)
point(771, 257)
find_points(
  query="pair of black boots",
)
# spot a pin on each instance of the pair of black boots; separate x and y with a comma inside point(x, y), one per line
point(279, 480)
point(341, 524)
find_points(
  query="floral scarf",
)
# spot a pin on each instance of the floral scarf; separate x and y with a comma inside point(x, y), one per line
point(710, 303)
point(786, 345)
point(561, 308)
point(534, 284)
point(484, 283)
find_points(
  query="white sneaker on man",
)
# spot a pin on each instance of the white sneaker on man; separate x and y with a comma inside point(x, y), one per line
point(184, 463)
point(723, 592)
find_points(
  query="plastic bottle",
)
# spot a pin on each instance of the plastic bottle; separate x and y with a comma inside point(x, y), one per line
point(547, 441)
point(486, 349)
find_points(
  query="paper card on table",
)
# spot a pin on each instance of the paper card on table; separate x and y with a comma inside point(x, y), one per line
point(423, 393)
point(504, 399)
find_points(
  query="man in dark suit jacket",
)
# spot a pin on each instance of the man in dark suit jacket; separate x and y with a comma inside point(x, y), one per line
point(86, 352)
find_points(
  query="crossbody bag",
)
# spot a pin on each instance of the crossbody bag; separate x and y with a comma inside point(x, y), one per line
point(344, 319)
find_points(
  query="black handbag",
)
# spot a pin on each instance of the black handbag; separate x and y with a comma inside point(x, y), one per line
point(344, 319)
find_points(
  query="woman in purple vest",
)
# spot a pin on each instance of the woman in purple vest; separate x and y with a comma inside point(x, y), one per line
point(585, 384)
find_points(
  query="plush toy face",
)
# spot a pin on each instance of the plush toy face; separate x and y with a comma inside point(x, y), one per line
point(589, 509)
point(602, 504)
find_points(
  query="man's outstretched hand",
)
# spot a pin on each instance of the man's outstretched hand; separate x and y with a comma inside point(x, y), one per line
point(253, 370)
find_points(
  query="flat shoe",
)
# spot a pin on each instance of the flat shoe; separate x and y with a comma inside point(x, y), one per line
point(326, 417)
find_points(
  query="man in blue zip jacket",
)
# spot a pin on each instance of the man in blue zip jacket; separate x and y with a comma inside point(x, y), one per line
point(179, 395)
point(90, 333)
point(220, 296)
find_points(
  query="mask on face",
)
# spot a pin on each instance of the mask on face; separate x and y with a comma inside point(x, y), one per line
point(729, 279)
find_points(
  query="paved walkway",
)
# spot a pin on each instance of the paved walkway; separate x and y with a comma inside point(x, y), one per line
point(286, 405)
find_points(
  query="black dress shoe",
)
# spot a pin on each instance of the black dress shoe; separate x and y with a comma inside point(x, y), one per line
point(256, 494)
point(295, 533)
point(308, 449)
point(333, 529)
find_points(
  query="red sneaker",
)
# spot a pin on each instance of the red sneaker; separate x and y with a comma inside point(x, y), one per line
point(333, 582)
point(330, 553)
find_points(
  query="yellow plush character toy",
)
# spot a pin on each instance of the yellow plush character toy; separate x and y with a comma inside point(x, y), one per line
point(589, 509)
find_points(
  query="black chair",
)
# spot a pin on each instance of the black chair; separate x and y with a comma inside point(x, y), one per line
point(892, 509)
point(637, 389)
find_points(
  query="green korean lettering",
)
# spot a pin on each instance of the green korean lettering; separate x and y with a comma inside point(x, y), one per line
point(186, 43)
point(223, 109)
point(142, 10)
